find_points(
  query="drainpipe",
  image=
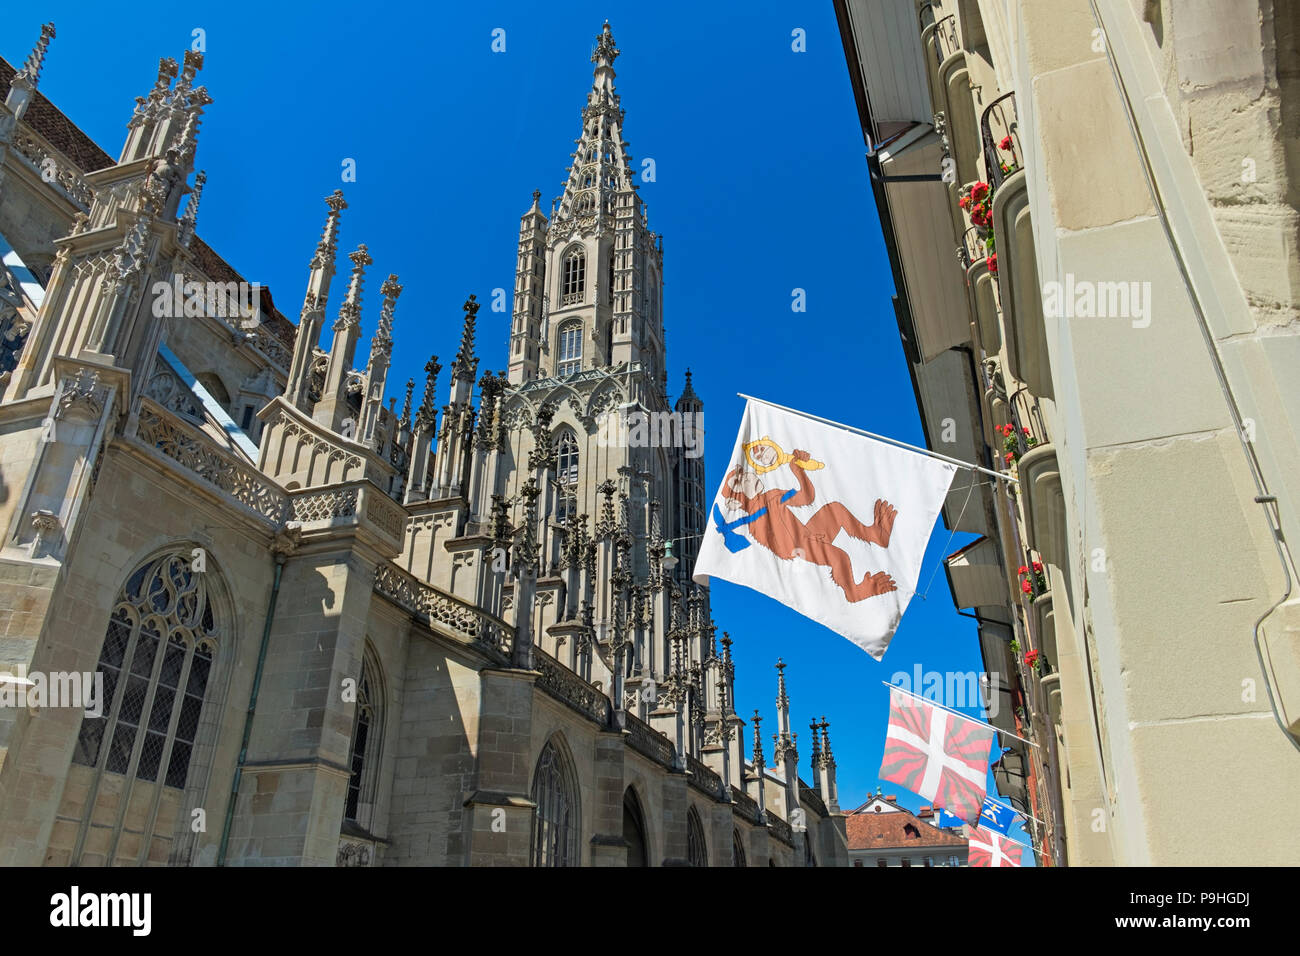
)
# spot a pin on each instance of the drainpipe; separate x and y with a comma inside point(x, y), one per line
point(281, 555)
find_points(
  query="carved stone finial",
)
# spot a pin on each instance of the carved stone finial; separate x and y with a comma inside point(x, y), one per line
point(466, 363)
point(31, 69)
point(425, 416)
point(406, 407)
point(190, 218)
point(382, 343)
point(605, 53)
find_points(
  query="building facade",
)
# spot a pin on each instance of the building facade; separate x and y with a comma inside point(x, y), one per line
point(328, 631)
point(1090, 212)
point(882, 834)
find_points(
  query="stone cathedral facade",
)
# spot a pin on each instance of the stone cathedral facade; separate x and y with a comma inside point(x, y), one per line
point(308, 628)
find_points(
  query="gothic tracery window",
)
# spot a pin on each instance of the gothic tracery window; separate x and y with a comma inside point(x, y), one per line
point(697, 853)
point(555, 825)
point(573, 276)
point(737, 850)
point(363, 760)
point(156, 661)
point(157, 664)
point(567, 458)
point(570, 352)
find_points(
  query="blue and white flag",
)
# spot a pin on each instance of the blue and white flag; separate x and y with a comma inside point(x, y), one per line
point(946, 820)
point(997, 817)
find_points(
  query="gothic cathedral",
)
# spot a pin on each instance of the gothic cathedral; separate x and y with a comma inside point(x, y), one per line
point(253, 613)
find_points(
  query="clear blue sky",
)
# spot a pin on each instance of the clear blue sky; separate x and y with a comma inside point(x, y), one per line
point(761, 188)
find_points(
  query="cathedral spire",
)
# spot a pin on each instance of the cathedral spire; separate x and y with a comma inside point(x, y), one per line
point(688, 401)
point(601, 163)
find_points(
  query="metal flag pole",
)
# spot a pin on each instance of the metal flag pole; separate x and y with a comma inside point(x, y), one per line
point(884, 438)
point(957, 713)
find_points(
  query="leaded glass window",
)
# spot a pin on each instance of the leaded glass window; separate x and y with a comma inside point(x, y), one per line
point(363, 761)
point(156, 660)
point(567, 457)
point(555, 825)
point(570, 349)
point(573, 276)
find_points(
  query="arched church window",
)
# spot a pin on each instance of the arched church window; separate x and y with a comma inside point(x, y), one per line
point(215, 387)
point(156, 661)
point(697, 853)
point(566, 506)
point(367, 732)
point(567, 457)
point(737, 850)
point(634, 830)
point(157, 664)
point(573, 276)
point(570, 351)
point(555, 825)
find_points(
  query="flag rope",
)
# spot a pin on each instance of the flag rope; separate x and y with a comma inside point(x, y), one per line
point(957, 713)
point(952, 534)
point(884, 438)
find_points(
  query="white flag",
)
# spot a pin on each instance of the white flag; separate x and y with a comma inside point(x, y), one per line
point(830, 523)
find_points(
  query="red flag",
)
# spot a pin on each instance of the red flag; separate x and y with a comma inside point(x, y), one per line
point(992, 849)
point(940, 755)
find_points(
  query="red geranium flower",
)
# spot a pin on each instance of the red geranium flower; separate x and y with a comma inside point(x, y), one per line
point(1031, 658)
point(1026, 587)
point(1038, 565)
point(1008, 457)
point(993, 263)
point(979, 191)
point(964, 202)
point(1005, 144)
point(1025, 430)
point(1022, 570)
